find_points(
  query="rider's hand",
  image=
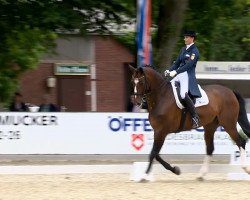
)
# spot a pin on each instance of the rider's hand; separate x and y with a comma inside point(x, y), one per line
point(172, 73)
point(166, 72)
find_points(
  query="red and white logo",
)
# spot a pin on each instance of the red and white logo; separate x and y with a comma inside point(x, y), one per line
point(137, 141)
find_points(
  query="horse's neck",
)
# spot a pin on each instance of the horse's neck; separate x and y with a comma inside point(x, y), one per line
point(161, 91)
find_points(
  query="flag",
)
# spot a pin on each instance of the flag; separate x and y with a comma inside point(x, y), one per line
point(144, 48)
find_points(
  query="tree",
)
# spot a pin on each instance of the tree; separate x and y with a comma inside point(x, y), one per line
point(223, 29)
point(231, 34)
point(169, 22)
point(29, 28)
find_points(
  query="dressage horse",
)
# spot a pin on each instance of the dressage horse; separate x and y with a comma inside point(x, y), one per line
point(225, 108)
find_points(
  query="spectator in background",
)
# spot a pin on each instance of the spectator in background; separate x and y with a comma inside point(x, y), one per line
point(131, 106)
point(17, 104)
point(46, 106)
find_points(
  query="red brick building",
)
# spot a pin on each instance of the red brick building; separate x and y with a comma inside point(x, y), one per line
point(85, 74)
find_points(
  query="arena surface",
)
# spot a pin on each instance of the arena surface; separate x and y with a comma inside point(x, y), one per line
point(114, 186)
point(118, 187)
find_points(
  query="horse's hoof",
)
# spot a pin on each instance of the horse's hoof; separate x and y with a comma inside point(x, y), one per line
point(143, 180)
point(247, 169)
point(200, 178)
point(146, 178)
point(177, 170)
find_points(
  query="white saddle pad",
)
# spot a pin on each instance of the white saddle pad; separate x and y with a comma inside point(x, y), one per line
point(203, 100)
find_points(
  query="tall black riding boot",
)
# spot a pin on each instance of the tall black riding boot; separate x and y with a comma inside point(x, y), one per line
point(191, 109)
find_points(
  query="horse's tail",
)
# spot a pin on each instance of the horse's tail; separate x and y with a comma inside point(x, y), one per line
point(242, 118)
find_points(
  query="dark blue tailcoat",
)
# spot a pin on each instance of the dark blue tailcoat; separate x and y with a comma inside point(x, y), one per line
point(186, 61)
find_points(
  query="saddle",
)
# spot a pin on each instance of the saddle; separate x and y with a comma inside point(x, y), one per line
point(203, 100)
point(198, 102)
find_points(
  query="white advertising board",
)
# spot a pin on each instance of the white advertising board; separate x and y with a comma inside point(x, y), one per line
point(235, 156)
point(95, 133)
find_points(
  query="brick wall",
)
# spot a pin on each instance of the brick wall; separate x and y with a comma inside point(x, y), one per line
point(110, 57)
point(33, 84)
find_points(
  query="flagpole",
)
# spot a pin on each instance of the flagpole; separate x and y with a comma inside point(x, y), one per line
point(136, 32)
point(143, 37)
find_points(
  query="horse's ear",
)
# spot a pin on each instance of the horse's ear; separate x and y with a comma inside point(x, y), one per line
point(131, 68)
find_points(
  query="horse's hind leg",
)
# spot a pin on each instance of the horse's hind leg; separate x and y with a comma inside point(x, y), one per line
point(241, 143)
point(243, 160)
point(209, 140)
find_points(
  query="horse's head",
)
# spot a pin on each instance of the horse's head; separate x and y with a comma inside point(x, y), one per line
point(140, 86)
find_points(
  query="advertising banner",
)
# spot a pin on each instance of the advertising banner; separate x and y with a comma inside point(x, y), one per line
point(96, 133)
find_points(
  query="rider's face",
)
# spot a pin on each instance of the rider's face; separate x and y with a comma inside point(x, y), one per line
point(188, 40)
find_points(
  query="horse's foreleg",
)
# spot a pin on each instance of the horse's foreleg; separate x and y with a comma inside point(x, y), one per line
point(167, 166)
point(176, 170)
point(151, 160)
point(158, 142)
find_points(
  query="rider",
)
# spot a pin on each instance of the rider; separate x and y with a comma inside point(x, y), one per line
point(183, 71)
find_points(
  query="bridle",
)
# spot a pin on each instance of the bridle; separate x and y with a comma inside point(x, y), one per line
point(145, 91)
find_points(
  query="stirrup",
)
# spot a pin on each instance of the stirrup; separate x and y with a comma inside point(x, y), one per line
point(195, 122)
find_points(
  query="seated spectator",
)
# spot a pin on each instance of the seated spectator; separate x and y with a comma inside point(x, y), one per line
point(17, 104)
point(46, 106)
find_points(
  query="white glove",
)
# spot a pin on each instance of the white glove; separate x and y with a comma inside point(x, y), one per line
point(172, 73)
point(166, 72)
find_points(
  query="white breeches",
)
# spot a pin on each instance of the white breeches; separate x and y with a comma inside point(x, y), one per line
point(183, 79)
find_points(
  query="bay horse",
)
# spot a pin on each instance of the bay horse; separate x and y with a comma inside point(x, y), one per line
point(225, 108)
